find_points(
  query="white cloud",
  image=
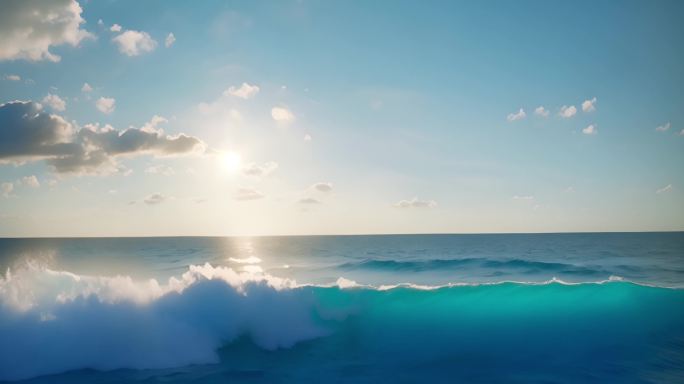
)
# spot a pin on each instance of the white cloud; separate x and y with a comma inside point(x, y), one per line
point(416, 203)
point(160, 169)
point(528, 197)
point(29, 28)
point(664, 189)
point(590, 130)
point(134, 43)
point(516, 116)
point(31, 134)
point(567, 112)
point(12, 77)
point(245, 91)
point(55, 102)
point(106, 105)
point(282, 115)
point(323, 187)
point(6, 189)
point(309, 201)
point(170, 39)
point(244, 194)
point(115, 28)
point(100, 22)
point(681, 133)
point(541, 111)
point(155, 198)
point(307, 137)
point(29, 181)
point(260, 170)
point(152, 125)
point(664, 127)
point(86, 88)
point(589, 105)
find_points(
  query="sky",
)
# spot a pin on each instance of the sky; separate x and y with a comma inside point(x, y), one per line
point(298, 117)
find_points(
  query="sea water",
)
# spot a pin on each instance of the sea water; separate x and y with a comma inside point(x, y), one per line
point(518, 308)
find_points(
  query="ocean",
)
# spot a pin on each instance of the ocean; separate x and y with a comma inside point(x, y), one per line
point(490, 308)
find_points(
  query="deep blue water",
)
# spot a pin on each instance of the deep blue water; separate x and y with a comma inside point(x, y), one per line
point(528, 308)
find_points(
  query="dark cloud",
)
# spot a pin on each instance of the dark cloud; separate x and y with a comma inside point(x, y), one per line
point(27, 133)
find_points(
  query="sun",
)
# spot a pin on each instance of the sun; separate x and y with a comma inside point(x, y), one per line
point(231, 161)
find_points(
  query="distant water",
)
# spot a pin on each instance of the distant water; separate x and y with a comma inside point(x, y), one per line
point(528, 308)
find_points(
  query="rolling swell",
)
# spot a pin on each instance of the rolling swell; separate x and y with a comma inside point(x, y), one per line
point(517, 265)
point(270, 330)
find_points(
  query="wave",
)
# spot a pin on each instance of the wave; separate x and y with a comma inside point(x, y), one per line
point(56, 321)
point(519, 265)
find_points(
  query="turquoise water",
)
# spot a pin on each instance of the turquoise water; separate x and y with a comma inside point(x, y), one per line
point(429, 308)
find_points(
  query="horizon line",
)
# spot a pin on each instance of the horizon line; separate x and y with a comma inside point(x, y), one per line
point(341, 235)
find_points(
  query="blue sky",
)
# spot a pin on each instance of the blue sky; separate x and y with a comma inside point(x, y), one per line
point(317, 117)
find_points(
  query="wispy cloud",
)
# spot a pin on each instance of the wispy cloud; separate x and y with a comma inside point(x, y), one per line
point(517, 115)
point(415, 203)
point(323, 187)
point(170, 39)
point(155, 198)
point(664, 189)
point(245, 193)
point(309, 201)
point(664, 127)
point(523, 197)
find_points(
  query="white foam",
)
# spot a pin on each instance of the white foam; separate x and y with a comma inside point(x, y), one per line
point(54, 321)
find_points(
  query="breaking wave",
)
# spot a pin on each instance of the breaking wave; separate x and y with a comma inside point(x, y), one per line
point(56, 321)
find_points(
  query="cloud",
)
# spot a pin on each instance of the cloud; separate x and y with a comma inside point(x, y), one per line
point(589, 105)
point(664, 127)
point(517, 197)
point(245, 91)
point(664, 189)
point(6, 189)
point(160, 169)
point(12, 77)
point(282, 115)
point(55, 102)
point(244, 194)
point(681, 133)
point(115, 28)
point(30, 134)
point(29, 181)
point(155, 198)
point(567, 112)
point(257, 170)
point(106, 105)
point(28, 28)
point(416, 203)
point(309, 201)
point(134, 43)
point(590, 130)
point(323, 187)
point(541, 111)
point(307, 137)
point(516, 116)
point(170, 39)
point(86, 88)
